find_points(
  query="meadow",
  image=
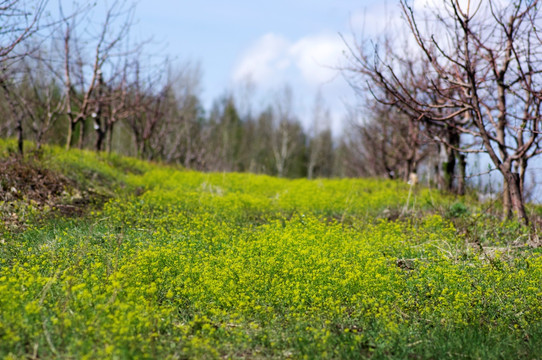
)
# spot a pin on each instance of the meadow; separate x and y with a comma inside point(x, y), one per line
point(177, 264)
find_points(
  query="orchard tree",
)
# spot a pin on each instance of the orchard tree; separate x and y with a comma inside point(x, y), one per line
point(88, 55)
point(481, 81)
point(20, 20)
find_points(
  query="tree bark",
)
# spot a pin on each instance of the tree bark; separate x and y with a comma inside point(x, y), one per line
point(506, 201)
point(516, 198)
point(109, 137)
point(461, 184)
point(82, 134)
point(100, 137)
point(20, 135)
point(449, 170)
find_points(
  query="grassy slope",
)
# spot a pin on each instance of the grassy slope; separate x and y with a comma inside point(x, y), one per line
point(181, 264)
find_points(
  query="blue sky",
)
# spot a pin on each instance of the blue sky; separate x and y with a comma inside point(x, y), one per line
point(273, 43)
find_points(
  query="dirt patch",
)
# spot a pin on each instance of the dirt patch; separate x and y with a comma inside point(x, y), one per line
point(28, 192)
point(24, 180)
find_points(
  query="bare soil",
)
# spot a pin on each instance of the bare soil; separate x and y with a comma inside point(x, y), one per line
point(26, 182)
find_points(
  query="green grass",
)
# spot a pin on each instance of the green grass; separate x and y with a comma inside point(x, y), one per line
point(181, 264)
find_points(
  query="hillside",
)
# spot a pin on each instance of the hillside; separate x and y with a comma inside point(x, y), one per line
point(111, 257)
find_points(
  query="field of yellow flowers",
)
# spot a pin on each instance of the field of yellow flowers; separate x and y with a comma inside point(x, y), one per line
point(180, 264)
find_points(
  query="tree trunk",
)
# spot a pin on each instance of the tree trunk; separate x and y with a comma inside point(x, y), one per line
point(310, 170)
point(516, 198)
point(100, 131)
point(280, 168)
point(141, 149)
point(69, 138)
point(506, 201)
point(82, 134)
point(522, 168)
point(39, 138)
point(13, 108)
point(188, 152)
point(20, 135)
point(409, 166)
point(109, 137)
point(100, 137)
point(461, 185)
point(449, 170)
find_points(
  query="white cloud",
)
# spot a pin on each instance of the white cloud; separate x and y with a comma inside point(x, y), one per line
point(263, 59)
point(273, 59)
point(317, 56)
point(308, 64)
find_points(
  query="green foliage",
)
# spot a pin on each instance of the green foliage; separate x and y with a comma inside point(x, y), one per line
point(246, 266)
point(101, 172)
point(458, 209)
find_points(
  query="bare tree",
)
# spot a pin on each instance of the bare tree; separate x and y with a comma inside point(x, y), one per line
point(20, 20)
point(284, 139)
point(385, 143)
point(111, 103)
point(481, 83)
point(82, 75)
point(182, 132)
point(319, 137)
point(39, 94)
point(117, 109)
point(149, 93)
